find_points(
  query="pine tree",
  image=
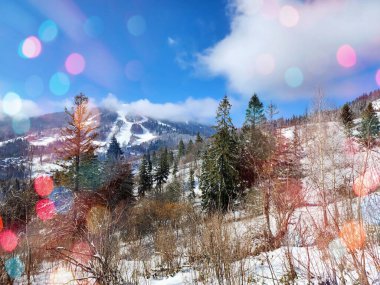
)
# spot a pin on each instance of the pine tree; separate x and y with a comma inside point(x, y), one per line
point(79, 136)
point(171, 158)
point(256, 146)
point(181, 148)
point(347, 118)
point(175, 167)
point(254, 115)
point(190, 147)
point(198, 146)
point(145, 179)
point(370, 126)
point(198, 139)
point(120, 186)
point(162, 170)
point(191, 182)
point(271, 111)
point(150, 169)
point(219, 178)
point(154, 159)
point(89, 174)
point(114, 151)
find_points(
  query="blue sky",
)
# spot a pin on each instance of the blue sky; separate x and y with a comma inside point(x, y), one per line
point(185, 55)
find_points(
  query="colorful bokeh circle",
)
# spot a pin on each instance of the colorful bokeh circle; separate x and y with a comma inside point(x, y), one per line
point(294, 77)
point(30, 47)
point(59, 83)
point(12, 103)
point(75, 64)
point(289, 16)
point(48, 31)
point(353, 235)
point(136, 25)
point(63, 199)
point(8, 240)
point(45, 209)
point(43, 185)
point(14, 267)
point(346, 56)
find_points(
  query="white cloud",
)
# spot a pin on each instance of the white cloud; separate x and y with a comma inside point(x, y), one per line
point(172, 41)
point(199, 110)
point(28, 108)
point(270, 36)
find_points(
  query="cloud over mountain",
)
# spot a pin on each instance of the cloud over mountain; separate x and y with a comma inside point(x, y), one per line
point(198, 110)
point(289, 48)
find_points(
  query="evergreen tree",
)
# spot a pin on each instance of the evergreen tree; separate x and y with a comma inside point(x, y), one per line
point(181, 148)
point(370, 126)
point(175, 167)
point(271, 111)
point(256, 146)
point(347, 118)
point(198, 139)
point(255, 112)
point(162, 170)
point(150, 168)
point(190, 147)
point(191, 182)
point(90, 172)
point(198, 146)
point(154, 159)
point(79, 136)
point(219, 178)
point(145, 179)
point(120, 185)
point(171, 158)
point(114, 151)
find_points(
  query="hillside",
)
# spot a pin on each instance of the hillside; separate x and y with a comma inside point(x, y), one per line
point(136, 135)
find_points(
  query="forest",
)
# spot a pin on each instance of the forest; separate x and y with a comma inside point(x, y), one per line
point(267, 203)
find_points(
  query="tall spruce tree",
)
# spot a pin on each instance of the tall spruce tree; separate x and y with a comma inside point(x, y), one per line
point(369, 128)
point(347, 118)
point(190, 147)
point(256, 145)
point(181, 148)
point(162, 170)
point(145, 176)
point(114, 151)
point(175, 168)
point(191, 182)
point(198, 139)
point(219, 178)
point(255, 112)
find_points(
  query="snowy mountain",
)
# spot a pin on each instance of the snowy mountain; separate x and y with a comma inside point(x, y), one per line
point(135, 134)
